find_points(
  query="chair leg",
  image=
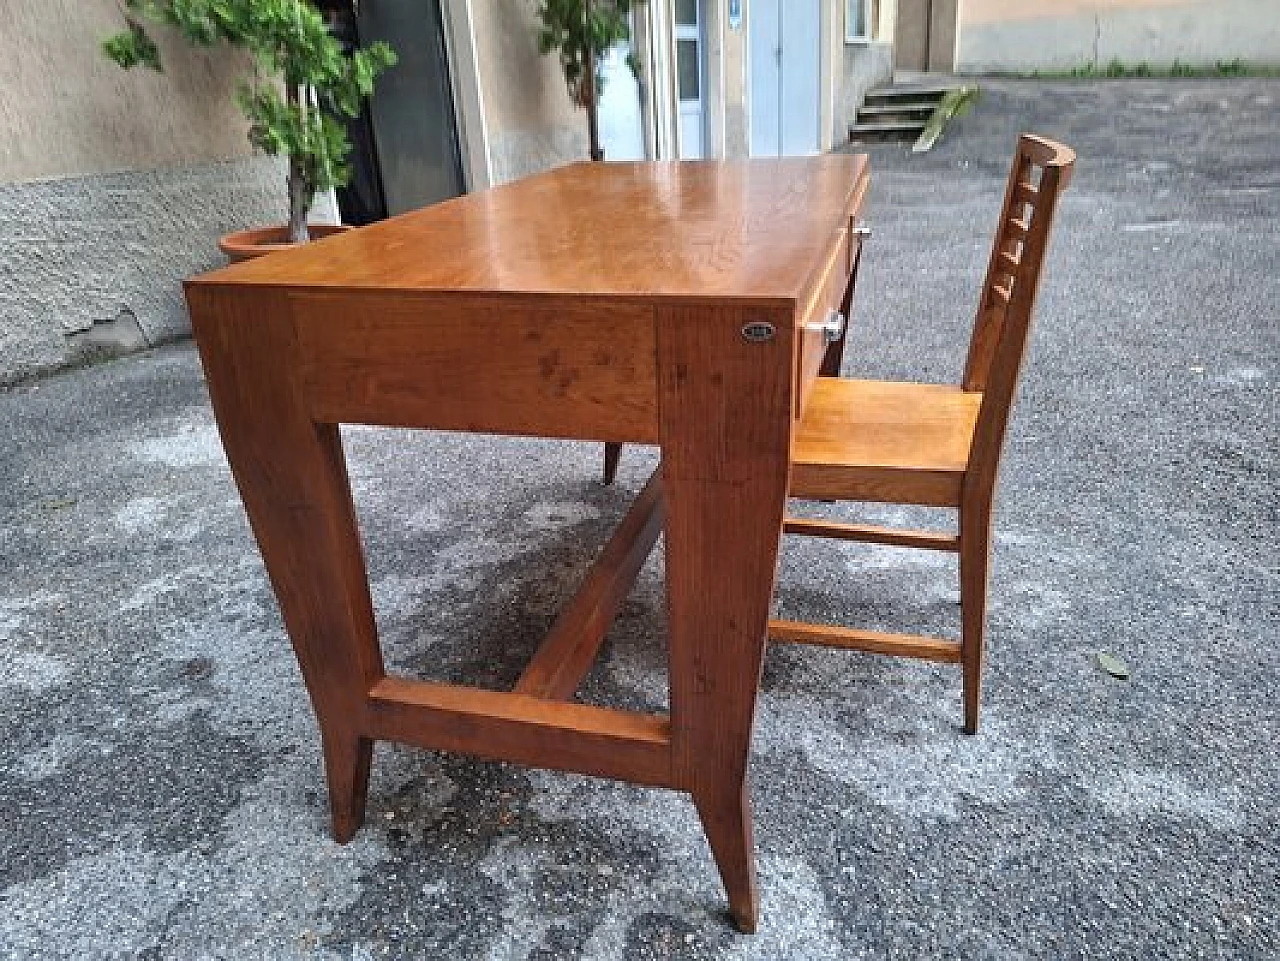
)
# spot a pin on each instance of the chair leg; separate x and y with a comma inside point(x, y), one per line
point(612, 454)
point(975, 561)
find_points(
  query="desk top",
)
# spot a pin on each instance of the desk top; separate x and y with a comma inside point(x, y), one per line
point(749, 230)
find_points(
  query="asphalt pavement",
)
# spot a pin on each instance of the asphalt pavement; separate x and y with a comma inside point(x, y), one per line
point(161, 792)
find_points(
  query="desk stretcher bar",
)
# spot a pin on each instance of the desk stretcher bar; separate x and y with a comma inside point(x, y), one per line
point(570, 648)
point(524, 730)
point(534, 725)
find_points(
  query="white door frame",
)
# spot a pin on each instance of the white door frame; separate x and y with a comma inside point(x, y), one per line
point(464, 71)
point(658, 53)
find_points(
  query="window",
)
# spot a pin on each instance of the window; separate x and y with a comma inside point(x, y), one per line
point(690, 130)
point(688, 51)
point(861, 19)
point(687, 70)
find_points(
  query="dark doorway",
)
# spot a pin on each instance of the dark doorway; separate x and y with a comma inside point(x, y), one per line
point(405, 149)
point(415, 128)
point(925, 38)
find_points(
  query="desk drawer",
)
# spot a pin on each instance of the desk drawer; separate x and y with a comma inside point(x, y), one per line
point(831, 297)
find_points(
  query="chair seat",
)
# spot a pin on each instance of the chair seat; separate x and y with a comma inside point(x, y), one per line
point(885, 441)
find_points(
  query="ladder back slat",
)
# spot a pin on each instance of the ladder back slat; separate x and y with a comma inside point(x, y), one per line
point(1025, 193)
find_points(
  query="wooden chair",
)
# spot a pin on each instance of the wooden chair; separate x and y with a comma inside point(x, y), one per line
point(935, 444)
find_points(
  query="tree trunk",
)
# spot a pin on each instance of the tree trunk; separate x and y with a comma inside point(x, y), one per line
point(593, 129)
point(299, 204)
point(593, 113)
point(299, 190)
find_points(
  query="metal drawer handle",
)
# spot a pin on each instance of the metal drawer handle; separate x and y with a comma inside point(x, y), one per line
point(832, 327)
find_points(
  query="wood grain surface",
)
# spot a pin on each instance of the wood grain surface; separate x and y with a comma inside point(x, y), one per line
point(714, 230)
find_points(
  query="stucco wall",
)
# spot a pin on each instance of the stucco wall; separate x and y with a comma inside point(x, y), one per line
point(1067, 34)
point(530, 120)
point(98, 261)
point(65, 109)
point(113, 186)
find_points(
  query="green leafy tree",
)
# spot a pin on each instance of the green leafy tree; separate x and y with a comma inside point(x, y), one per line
point(581, 31)
point(303, 64)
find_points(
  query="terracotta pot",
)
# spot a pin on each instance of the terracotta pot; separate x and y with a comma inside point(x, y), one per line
point(247, 244)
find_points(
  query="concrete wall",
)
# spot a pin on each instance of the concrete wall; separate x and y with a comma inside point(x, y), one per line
point(863, 65)
point(866, 65)
point(1059, 35)
point(113, 186)
point(530, 122)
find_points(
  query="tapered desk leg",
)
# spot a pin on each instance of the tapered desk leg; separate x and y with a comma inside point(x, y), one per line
point(293, 480)
point(725, 427)
point(726, 819)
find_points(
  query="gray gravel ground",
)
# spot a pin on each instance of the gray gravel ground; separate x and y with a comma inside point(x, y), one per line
point(161, 794)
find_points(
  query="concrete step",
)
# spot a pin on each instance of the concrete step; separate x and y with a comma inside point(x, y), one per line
point(899, 93)
point(886, 130)
point(884, 110)
point(917, 119)
point(913, 112)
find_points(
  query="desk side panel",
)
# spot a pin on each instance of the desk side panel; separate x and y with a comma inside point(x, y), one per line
point(543, 367)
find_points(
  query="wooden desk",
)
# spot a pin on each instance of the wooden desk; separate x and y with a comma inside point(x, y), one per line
point(669, 303)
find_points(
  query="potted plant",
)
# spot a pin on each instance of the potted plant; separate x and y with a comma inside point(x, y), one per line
point(305, 80)
point(582, 31)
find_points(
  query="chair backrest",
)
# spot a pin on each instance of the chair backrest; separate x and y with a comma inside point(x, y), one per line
point(1041, 170)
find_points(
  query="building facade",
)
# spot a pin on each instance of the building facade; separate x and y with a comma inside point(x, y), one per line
point(115, 185)
point(1061, 36)
point(716, 79)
